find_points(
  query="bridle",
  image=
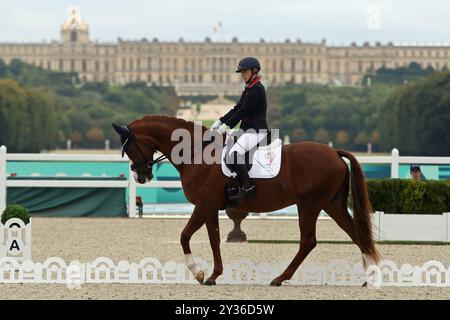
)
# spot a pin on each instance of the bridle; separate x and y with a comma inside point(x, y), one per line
point(131, 138)
point(125, 133)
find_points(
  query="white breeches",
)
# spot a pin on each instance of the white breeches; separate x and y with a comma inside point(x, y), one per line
point(246, 142)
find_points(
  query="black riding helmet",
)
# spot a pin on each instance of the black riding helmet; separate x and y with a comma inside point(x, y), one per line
point(248, 63)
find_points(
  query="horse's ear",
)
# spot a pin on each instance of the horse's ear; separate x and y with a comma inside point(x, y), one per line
point(123, 131)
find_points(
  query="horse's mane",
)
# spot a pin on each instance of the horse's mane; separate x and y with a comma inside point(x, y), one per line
point(178, 122)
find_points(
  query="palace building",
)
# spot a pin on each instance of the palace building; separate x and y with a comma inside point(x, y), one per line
point(208, 67)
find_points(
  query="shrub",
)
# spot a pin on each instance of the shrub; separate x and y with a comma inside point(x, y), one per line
point(16, 211)
point(409, 196)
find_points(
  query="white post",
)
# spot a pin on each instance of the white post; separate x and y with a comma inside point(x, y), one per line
point(446, 220)
point(132, 195)
point(394, 163)
point(377, 220)
point(2, 179)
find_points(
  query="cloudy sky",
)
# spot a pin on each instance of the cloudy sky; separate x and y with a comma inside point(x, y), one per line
point(338, 21)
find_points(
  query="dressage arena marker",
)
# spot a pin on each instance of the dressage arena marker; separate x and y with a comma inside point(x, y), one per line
point(244, 272)
point(15, 239)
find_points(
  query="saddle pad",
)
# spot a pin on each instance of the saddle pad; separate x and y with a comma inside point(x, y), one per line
point(266, 161)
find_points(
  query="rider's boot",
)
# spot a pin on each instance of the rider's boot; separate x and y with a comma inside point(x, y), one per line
point(247, 188)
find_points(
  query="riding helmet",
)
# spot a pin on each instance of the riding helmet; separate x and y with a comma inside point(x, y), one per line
point(248, 63)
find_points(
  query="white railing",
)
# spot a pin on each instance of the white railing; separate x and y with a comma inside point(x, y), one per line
point(129, 184)
point(394, 161)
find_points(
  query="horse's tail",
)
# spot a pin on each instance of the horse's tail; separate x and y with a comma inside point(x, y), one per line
point(362, 209)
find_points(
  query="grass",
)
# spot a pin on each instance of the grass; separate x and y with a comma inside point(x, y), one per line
point(434, 243)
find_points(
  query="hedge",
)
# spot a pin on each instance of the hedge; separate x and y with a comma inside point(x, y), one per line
point(409, 196)
point(15, 211)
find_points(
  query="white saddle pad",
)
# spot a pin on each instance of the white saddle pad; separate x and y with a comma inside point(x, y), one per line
point(266, 161)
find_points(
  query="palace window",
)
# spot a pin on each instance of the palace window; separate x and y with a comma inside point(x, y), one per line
point(149, 64)
point(73, 36)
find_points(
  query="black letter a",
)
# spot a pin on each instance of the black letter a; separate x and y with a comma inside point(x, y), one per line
point(14, 245)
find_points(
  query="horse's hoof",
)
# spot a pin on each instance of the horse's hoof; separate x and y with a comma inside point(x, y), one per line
point(275, 283)
point(210, 283)
point(364, 284)
point(200, 277)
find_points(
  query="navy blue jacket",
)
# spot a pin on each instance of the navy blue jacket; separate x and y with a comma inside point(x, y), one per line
point(251, 108)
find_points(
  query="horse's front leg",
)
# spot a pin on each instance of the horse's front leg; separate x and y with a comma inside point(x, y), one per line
point(198, 218)
point(212, 224)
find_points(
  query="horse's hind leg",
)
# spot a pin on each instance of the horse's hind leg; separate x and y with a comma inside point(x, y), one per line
point(337, 209)
point(307, 222)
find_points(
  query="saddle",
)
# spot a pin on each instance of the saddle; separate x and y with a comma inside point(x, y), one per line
point(265, 164)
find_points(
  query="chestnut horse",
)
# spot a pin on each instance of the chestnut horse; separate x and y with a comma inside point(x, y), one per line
point(313, 176)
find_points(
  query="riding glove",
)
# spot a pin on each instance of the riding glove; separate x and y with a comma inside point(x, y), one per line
point(216, 125)
point(222, 129)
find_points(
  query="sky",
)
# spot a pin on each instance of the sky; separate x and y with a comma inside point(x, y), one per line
point(340, 22)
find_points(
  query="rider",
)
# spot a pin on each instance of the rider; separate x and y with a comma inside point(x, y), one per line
point(251, 111)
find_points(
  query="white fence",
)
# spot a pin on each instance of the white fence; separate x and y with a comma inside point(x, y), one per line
point(130, 183)
point(411, 227)
point(150, 270)
point(394, 161)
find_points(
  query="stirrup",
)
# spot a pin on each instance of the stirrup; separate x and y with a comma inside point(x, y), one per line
point(246, 193)
point(242, 195)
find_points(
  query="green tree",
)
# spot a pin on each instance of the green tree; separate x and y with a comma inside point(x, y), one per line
point(95, 135)
point(3, 68)
point(76, 138)
point(342, 137)
point(362, 138)
point(415, 119)
point(321, 135)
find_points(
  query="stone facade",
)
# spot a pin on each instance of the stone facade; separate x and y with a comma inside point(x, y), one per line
point(208, 67)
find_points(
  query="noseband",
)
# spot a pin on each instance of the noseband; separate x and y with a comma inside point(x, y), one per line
point(144, 162)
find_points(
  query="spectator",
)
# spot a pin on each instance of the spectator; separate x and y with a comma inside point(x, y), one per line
point(415, 172)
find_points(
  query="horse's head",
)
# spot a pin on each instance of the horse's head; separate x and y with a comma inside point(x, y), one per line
point(140, 154)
